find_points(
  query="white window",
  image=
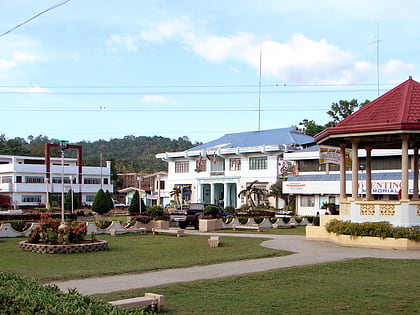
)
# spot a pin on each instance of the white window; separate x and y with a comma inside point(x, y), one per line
point(307, 201)
point(182, 167)
point(34, 179)
point(258, 163)
point(235, 164)
point(31, 198)
point(90, 180)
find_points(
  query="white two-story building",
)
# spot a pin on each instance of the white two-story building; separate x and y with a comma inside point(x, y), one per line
point(217, 171)
point(28, 180)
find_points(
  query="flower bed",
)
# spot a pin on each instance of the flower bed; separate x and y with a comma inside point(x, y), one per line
point(86, 246)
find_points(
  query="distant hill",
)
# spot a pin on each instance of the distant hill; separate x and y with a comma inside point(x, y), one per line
point(130, 154)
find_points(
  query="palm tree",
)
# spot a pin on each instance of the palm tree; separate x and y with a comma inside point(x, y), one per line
point(276, 191)
point(176, 192)
point(248, 192)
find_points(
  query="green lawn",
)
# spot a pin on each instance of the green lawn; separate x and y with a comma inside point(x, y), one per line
point(361, 286)
point(129, 254)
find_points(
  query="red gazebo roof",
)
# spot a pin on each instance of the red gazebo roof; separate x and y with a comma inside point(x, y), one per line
point(382, 121)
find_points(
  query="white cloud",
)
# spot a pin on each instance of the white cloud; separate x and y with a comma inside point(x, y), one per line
point(167, 30)
point(26, 90)
point(396, 66)
point(299, 59)
point(153, 98)
point(127, 42)
point(157, 32)
point(15, 59)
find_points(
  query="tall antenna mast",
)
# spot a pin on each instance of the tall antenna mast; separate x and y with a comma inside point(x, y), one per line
point(259, 91)
point(377, 53)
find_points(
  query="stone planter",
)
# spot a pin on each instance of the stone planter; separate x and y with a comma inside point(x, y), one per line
point(160, 224)
point(206, 225)
point(86, 246)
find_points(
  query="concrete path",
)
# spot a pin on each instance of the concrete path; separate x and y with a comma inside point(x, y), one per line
point(306, 253)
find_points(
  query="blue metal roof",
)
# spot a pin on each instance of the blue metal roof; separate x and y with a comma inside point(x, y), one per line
point(280, 136)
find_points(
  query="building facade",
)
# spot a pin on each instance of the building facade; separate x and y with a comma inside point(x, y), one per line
point(218, 171)
point(317, 184)
point(151, 187)
point(27, 180)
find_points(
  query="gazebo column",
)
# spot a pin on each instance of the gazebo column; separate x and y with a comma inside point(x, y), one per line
point(368, 173)
point(354, 168)
point(404, 168)
point(416, 173)
point(343, 171)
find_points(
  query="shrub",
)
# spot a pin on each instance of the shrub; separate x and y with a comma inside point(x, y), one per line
point(23, 296)
point(48, 231)
point(258, 220)
point(298, 219)
point(211, 210)
point(155, 211)
point(230, 209)
point(376, 229)
point(100, 203)
point(103, 223)
point(19, 225)
point(141, 218)
point(243, 220)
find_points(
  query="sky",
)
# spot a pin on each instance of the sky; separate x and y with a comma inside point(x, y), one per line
point(106, 69)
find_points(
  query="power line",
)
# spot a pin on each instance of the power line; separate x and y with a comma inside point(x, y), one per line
point(32, 18)
point(220, 92)
point(169, 86)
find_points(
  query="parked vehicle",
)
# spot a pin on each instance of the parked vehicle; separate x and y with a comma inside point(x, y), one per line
point(118, 204)
point(189, 217)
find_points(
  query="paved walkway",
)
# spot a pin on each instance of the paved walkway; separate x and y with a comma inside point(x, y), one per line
point(306, 253)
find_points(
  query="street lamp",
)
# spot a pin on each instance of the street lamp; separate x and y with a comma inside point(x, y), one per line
point(72, 196)
point(362, 167)
point(139, 180)
point(64, 144)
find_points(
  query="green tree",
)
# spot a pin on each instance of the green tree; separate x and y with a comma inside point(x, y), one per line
point(342, 109)
point(253, 194)
point(311, 128)
point(67, 200)
point(109, 199)
point(100, 203)
point(175, 193)
point(276, 191)
point(134, 204)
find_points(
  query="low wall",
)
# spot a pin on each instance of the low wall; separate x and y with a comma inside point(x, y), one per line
point(63, 249)
point(319, 233)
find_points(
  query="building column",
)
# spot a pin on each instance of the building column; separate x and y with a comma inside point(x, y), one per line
point(212, 193)
point(226, 195)
point(354, 168)
point(416, 173)
point(404, 168)
point(343, 171)
point(368, 173)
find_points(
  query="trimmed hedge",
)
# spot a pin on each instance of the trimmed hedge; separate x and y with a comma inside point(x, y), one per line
point(375, 229)
point(22, 296)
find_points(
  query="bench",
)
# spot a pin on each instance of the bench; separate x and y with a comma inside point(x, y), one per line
point(149, 299)
point(213, 241)
point(248, 227)
point(178, 232)
point(114, 232)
